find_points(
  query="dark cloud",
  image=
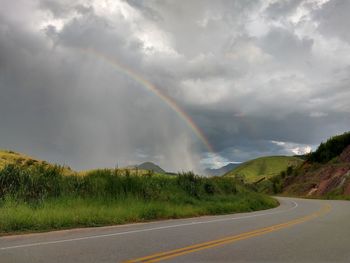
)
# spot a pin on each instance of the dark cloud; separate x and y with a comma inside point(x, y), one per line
point(257, 78)
point(285, 46)
point(146, 10)
point(333, 19)
point(278, 9)
point(58, 9)
point(64, 8)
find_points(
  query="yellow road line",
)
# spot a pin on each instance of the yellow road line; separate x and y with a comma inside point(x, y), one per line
point(230, 239)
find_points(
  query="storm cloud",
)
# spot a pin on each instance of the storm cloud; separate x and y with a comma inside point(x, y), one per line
point(256, 77)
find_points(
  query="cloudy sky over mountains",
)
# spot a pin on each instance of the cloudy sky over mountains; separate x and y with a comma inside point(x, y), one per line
point(256, 77)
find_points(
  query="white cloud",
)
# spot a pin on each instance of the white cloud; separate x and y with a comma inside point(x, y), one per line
point(301, 150)
point(279, 143)
point(293, 148)
point(214, 161)
point(197, 91)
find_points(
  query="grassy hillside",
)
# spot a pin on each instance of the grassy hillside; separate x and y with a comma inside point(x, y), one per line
point(10, 157)
point(269, 166)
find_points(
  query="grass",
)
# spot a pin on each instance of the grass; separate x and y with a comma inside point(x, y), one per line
point(121, 171)
point(66, 213)
point(267, 167)
point(41, 198)
point(10, 157)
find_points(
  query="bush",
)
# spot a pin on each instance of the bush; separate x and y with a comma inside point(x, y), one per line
point(191, 183)
point(30, 183)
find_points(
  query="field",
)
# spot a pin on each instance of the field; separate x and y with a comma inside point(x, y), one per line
point(41, 197)
point(267, 167)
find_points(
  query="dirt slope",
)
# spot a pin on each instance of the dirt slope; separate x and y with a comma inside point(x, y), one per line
point(330, 179)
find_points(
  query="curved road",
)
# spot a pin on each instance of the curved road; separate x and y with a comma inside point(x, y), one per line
point(297, 231)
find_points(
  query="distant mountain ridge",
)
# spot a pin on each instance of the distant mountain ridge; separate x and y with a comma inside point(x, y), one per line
point(151, 167)
point(222, 170)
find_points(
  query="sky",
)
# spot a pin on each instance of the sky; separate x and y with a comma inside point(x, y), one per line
point(185, 84)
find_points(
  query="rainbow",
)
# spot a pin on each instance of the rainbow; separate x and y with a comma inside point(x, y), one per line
point(159, 93)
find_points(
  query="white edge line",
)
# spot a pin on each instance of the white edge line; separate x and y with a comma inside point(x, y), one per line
point(145, 230)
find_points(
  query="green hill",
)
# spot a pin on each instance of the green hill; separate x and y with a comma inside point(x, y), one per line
point(11, 157)
point(269, 166)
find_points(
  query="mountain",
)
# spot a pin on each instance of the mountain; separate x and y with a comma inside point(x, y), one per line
point(151, 167)
point(267, 167)
point(222, 170)
point(325, 173)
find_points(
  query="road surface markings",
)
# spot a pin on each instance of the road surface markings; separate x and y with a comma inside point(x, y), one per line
point(295, 205)
point(227, 240)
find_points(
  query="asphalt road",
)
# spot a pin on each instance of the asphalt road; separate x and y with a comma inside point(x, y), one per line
point(297, 231)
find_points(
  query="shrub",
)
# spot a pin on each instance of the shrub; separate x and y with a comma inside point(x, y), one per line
point(190, 183)
point(30, 183)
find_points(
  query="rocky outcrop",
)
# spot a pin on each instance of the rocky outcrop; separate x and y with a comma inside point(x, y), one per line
point(326, 172)
point(321, 180)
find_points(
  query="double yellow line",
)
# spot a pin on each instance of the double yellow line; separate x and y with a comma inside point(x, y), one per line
point(230, 239)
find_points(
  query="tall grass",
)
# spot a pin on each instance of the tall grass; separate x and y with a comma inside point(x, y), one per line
point(41, 198)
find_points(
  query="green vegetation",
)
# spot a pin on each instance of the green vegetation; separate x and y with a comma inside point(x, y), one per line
point(40, 197)
point(332, 148)
point(274, 184)
point(267, 167)
point(10, 157)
